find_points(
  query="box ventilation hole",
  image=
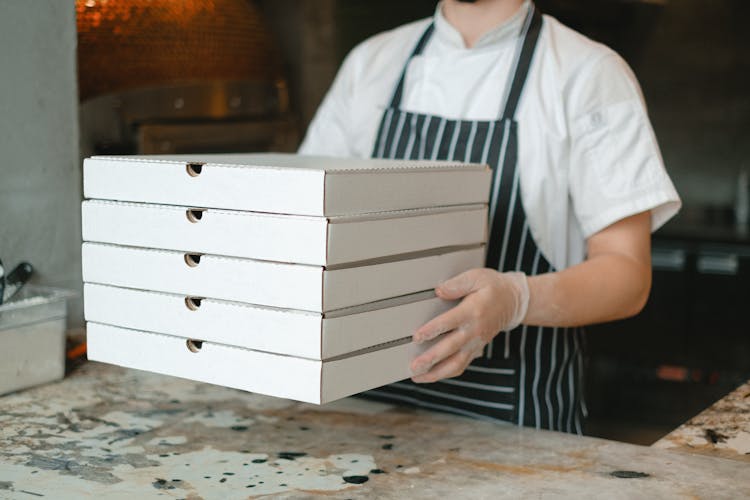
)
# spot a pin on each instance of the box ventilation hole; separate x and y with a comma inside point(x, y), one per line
point(192, 259)
point(193, 303)
point(194, 345)
point(194, 169)
point(194, 214)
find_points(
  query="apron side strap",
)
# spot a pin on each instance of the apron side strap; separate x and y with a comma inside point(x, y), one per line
point(397, 94)
point(524, 64)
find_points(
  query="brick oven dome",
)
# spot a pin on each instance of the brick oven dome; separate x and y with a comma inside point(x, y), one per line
point(130, 44)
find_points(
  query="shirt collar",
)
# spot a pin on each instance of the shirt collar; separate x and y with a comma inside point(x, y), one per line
point(504, 32)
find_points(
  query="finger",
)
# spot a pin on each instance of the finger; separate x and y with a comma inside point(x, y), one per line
point(458, 286)
point(451, 367)
point(461, 361)
point(449, 344)
point(476, 344)
point(450, 320)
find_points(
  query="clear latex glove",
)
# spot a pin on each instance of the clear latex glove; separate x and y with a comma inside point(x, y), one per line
point(491, 302)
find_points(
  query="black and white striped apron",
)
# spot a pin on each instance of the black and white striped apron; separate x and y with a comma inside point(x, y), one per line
point(530, 376)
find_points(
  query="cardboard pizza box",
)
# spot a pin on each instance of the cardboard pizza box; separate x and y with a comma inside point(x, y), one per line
point(290, 286)
point(285, 183)
point(283, 331)
point(283, 238)
point(302, 379)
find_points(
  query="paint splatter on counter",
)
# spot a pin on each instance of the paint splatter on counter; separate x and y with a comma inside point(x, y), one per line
point(114, 433)
point(222, 418)
point(168, 441)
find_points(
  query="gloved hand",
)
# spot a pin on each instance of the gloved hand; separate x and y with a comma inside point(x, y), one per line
point(491, 302)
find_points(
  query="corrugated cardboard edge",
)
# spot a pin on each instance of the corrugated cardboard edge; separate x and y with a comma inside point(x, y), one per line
point(394, 352)
point(395, 167)
point(184, 163)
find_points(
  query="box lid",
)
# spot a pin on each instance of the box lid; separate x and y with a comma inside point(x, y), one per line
point(286, 183)
point(291, 286)
point(307, 380)
point(282, 331)
point(283, 238)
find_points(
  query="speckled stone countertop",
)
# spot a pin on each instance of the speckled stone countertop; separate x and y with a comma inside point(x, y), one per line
point(106, 432)
point(723, 430)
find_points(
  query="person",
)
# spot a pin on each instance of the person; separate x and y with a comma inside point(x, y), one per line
point(578, 185)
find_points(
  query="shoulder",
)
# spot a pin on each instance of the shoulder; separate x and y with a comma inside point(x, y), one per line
point(572, 50)
point(590, 74)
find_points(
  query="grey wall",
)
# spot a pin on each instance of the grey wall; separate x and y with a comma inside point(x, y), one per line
point(696, 77)
point(39, 165)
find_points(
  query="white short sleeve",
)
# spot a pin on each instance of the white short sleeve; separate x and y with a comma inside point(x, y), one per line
point(616, 169)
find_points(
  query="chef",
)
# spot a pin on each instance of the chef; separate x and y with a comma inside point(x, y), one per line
point(578, 185)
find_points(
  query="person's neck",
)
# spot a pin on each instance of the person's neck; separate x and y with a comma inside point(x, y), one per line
point(473, 20)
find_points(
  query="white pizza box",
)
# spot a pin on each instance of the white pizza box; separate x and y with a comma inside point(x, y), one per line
point(290, 286)
point(283, 331)
point(282, 238)
point(302, 379)
point(285, 183)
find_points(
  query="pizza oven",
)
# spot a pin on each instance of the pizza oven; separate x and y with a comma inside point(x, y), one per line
point(159, 76)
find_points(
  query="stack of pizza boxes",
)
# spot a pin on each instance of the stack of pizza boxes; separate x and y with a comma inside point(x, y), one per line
point(293, 276)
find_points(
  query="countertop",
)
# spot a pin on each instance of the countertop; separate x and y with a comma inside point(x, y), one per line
point(107, 432)
point(723, 430)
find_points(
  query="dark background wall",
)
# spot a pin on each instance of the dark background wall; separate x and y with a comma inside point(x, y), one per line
point(316, 35)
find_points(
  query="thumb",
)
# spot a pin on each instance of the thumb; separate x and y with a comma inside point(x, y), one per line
point(457, 287)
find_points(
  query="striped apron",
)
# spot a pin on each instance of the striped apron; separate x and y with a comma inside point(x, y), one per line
point(530, 376)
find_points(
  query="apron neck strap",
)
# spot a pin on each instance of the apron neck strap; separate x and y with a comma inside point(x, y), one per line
point(529, 33)
point(532, 26)
point(396, 99)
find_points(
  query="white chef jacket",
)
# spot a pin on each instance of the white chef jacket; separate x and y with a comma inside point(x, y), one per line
point(587, 154)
